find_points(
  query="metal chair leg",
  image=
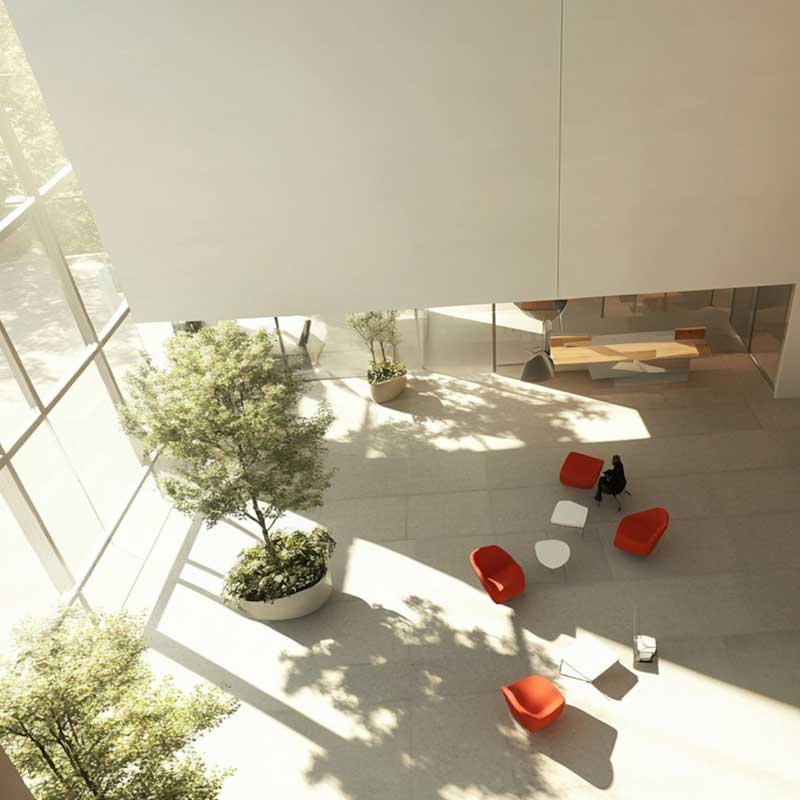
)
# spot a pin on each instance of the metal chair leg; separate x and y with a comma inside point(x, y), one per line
point(616, 500)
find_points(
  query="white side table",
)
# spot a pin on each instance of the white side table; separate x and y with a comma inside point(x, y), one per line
point(570, 515)
point(553, 553)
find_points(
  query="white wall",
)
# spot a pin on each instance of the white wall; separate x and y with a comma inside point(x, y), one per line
point(266, 157)
point(276, 157)
point(681, 128)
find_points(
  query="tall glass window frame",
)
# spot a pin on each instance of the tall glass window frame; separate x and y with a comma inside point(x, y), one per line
point(32, 209)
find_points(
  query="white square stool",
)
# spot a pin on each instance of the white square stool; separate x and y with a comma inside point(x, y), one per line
point(570, 515)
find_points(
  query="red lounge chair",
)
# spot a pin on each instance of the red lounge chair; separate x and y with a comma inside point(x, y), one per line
point(498, 573)
point(639, 533)
point(580, 471)
point(533, 702)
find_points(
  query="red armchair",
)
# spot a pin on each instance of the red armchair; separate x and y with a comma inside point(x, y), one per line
point(533, 702)
point(498, 573)
point(580, 471)
point(639, 533)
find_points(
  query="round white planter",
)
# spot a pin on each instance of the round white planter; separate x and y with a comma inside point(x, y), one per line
point(290, 607)
point(386, 391)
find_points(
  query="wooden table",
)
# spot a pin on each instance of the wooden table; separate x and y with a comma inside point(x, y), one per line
point(586, 355)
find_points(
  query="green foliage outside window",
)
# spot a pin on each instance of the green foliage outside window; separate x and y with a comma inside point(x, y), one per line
point(82, 717)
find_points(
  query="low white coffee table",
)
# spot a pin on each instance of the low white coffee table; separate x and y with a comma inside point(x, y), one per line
point(553, 553)
point(570, 515)
point(587, 659)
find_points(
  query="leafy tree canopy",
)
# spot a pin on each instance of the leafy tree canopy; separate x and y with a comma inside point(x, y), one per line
point(82, 717)
point(228, 412)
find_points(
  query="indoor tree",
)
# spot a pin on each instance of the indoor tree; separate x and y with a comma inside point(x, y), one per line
point(82, 717)
point(376, 328)
point(227, 412)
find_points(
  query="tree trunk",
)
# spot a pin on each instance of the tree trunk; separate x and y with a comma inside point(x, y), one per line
point(264, 527)
point(383, 352)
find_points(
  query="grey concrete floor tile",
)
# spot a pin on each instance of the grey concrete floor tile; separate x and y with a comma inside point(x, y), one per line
point(451, 514)
point(528, 508)
point(446, 472)
point(358, 477)
point(755, 491)
point(460, 747)
point(777, 414)
point(766, 541)
point(526, 466)
point(766, 663)
point(376, 518)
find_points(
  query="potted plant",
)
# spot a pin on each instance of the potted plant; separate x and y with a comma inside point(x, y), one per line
point(81, 715)
point(226, 412)
point(386, 375)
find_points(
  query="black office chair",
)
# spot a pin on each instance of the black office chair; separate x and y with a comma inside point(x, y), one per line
point(624, 490)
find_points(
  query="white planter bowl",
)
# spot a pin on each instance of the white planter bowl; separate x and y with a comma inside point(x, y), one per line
point(386, 391)
point(293, 606)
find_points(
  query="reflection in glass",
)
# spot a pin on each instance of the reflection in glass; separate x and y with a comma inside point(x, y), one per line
point(742, 313)
point(33, 127)
point(35, 312)
point(11, 193)
point(769, 326)
point(25, 587)
point(94, 277)
point(58, 496)
point(15, 413)
point(72, 220)
point(119, 568)
point(86, 424)
point(124, 348)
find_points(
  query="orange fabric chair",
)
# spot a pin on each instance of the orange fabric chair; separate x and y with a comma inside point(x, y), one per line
point(498, 573)
point(533, 702)
point(639, 533)
point(580, 471)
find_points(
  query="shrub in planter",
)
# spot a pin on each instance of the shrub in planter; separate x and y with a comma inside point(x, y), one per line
point(297, 562)
point(380, 371)
point(378, 329)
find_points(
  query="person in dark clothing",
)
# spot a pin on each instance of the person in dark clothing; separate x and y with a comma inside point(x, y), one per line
point(612, 481)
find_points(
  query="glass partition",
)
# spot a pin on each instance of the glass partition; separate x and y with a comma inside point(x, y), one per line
point(769, 326)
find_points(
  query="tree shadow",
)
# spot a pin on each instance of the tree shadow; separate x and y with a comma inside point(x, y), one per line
point(440, 413)
point(462, 737)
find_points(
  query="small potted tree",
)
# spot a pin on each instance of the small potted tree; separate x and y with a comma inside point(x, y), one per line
point(81, 715)
point(226, 412)
point(386, 375)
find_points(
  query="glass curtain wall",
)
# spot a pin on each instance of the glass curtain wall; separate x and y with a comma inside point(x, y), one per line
point(68, 474)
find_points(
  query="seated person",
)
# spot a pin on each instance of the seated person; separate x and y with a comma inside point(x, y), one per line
point(612, 481)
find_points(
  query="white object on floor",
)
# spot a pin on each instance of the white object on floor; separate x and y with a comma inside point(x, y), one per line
point(587, 659)
point(644, 647)
point(569, 514)
point(552, 553)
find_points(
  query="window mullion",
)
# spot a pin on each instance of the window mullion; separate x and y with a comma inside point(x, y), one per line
point(36, 532)
point(26, 386)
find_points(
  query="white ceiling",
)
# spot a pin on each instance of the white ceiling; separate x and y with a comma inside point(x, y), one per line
point(262, 157)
